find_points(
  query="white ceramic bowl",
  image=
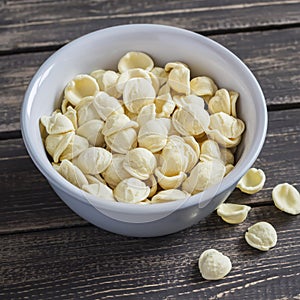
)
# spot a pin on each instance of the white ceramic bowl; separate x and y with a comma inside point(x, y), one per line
point(102, 49)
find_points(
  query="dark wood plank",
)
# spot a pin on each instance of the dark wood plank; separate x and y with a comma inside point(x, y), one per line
point(88, 263)
point(35, 18)
point(27, 199)
point(28, 203)
point(275, 62)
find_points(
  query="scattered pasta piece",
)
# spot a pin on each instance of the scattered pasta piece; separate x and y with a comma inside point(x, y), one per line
point(252, 182)
point(286, 198)
point(233, 213)
point(262, 236)
point(214, 265)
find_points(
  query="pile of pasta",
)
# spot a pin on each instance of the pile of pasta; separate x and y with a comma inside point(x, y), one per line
point(144, 134)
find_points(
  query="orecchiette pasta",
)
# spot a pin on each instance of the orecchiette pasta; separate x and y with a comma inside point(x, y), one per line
point(286, 198)
point(179, 79)
point(57, 123)
point(233, 213)
point(72, 173)
point(140, 163)
point(144, 134)
point(132, 60)
point(100, 190)
point(86, 111)
point(80, 87)
point(169, 195)
point(131, 190)
point(106, 105)
point(252, 182)
point(92, 131)
point(138, 92)
point(107, 81)
point(169, 182)
point(204, 175)
point(213, 265)
point(262, 236)
point(203, 86)
point(115, 172)
point(93, 160)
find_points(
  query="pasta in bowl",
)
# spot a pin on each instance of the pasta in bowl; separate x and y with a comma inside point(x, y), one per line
point(141, 123)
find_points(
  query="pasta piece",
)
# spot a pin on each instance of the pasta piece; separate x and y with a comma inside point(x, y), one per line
point(190, 119)
point(132, 74)
point(115, 172)
point(147, 113)
point(86, 111)
point(233, 213)
point(116, 123)
point(106, 105)
point(169, 196)
point(204, 175)
point(213, 265)
point(161, 74)
point(92, 131)
point(99, 190)
point(122, 141)
point(179, 78)
point(131, 190)
point(227, 125)
point(107, 81)
point(261, 236)
point(152, 184)
point(71, 114)
point(57, 123)
point(72, 173)
point(153, 135)
point(286, 198)
point(220, 102)
point(252, 182)
point(138, 92)
point(77, 145)
point(57, 143)
point(164, 105)
point(93, 160)
point(169, 182)
point(203, 86)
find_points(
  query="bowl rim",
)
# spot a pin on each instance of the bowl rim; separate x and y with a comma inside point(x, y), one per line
point(58, 181)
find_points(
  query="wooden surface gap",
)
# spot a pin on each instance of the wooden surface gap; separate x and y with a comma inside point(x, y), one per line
point(8, 135)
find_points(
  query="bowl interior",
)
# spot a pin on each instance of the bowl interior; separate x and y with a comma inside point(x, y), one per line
point(102, 50)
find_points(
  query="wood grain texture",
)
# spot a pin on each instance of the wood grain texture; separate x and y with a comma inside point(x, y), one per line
point(47, 23)
point(278, 52)
point(88, 263)
point(28, 202)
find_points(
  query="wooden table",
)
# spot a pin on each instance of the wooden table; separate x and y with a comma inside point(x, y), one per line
point(48, 252)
